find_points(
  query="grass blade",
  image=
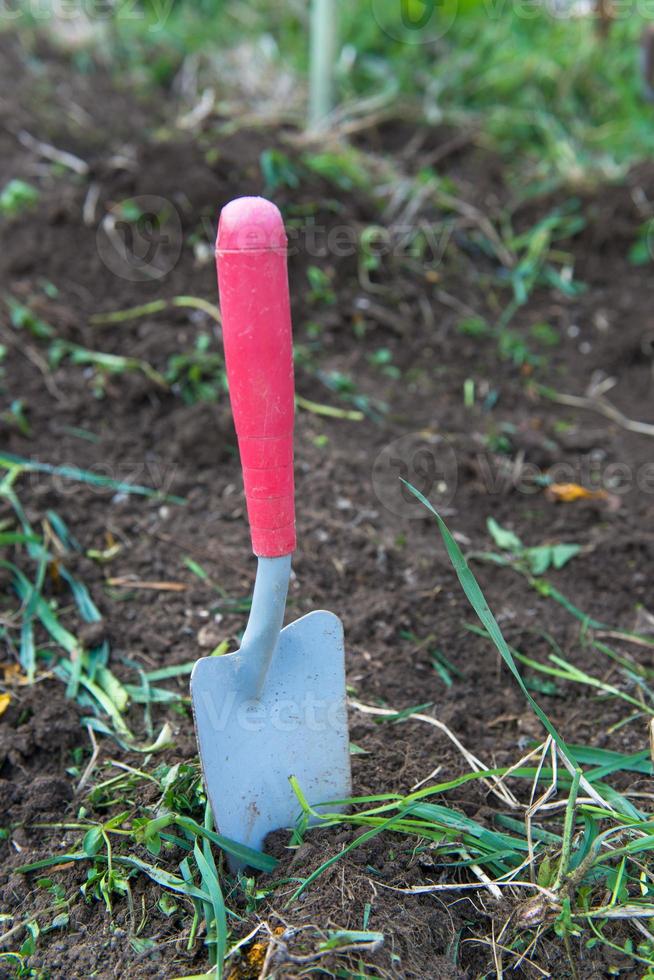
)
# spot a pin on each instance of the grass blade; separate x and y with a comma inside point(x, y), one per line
point(478, 602)
point(12, 462)
point(217, 906)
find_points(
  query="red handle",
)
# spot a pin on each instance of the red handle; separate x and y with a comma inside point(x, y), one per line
point(256, 316)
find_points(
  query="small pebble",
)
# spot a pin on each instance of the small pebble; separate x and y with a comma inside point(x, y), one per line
point(210, 636)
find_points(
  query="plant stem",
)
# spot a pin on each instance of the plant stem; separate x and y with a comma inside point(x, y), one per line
point(568, 829)
point(328, 410)
point(323, 56)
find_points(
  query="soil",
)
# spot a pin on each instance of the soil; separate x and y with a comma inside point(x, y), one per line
point(365, 551)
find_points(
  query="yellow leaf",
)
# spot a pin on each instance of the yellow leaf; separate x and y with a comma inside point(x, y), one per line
point(567, 493)
point(13, 674)
point(5, 701)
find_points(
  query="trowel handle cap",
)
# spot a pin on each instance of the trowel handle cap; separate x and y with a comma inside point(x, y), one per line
point(249, 224)
point(251, 259)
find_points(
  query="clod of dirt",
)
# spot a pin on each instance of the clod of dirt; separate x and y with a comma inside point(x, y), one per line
point(37, 733)
point(48, 794)
point(92, 634)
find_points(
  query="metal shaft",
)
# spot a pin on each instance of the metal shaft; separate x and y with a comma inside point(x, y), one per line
point(266, 619)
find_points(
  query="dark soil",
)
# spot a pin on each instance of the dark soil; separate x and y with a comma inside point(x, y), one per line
point(365, 551)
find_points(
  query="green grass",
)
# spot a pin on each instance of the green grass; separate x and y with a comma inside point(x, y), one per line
point(578, 846)
point(42, 632)
point(39, 557)
point(549, 92)
point(569, 847)
point(17, 196)
point(546, 91)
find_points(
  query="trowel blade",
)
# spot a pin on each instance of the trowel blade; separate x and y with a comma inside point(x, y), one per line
point(250, 747)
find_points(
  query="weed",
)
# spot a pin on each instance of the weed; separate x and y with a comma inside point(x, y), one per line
point(321, 290)
point(536, 560)
point(343, 385)
point(198, 375)
point(22, 318)
point(278, 171)
point(584, 875)
point(16, 417)
point(641, 252)
point(345, 169)
point(513, 347)
point(17, 196)
point(534, 261)
point(111, 869)
point(40, 560)
point(104, 365)
point(473, 326)
point(544, 334)
point(382, 359)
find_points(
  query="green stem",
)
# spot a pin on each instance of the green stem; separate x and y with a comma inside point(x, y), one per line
point(568, 830)
point(133, 313)
point(328, 410)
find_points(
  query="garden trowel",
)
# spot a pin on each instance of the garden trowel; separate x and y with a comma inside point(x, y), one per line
point(276, 708)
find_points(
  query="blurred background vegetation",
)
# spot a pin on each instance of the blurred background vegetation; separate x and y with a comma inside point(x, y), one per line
point(549, 83)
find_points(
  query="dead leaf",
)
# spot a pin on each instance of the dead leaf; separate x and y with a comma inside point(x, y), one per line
point(127, 582)
point(567, 493)
point(12, 674)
